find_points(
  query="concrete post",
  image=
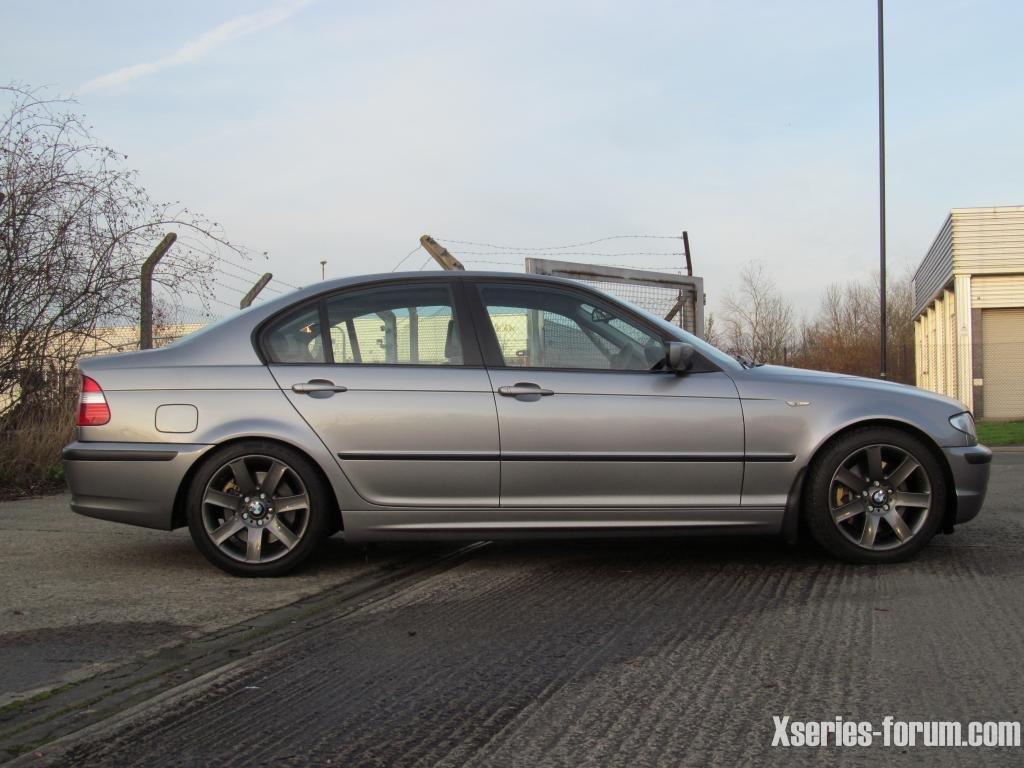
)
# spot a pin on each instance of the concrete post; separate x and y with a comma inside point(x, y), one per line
point(146, 295)
point(255, 290)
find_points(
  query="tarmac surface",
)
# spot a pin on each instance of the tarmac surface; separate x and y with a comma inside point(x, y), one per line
point(616, 652)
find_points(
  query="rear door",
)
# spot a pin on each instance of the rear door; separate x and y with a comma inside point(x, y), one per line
point(391, 379)
point(584, 420)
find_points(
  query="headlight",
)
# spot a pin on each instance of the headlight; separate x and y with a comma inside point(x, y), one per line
point(965, 423)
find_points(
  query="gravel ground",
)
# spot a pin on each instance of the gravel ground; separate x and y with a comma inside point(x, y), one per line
point(631, 653)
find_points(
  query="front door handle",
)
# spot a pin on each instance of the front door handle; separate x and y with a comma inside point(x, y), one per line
point(524, 389)
point(318, 388)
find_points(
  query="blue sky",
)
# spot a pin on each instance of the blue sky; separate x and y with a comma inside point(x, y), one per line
point(343, 131)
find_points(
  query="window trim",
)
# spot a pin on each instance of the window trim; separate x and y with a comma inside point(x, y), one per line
point(471, 354)
point(491, 348)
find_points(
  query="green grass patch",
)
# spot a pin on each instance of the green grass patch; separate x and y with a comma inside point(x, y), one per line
point(1001, 432)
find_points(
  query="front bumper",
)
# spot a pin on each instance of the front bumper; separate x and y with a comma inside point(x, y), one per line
point(134, 483)
point(970, 467)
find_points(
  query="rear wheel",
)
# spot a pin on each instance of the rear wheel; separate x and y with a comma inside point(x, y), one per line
point(257, 509)
point(875, 495)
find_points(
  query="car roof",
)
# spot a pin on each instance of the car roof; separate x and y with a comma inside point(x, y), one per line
point(341, 282)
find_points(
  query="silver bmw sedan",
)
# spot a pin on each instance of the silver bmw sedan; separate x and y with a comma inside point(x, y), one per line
point(483, 405)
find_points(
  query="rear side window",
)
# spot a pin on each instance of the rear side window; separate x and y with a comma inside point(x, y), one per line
point(296, 338)
point(387, 325)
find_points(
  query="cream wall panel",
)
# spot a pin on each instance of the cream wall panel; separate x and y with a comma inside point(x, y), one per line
point(963, 296)
point(988, 240)
point(989, 291)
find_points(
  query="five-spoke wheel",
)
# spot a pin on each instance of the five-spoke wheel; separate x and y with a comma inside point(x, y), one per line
point(255, 507)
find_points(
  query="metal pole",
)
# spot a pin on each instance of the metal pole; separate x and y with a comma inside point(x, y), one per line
point(323, 269)
point(883, 324)
point(146, 294)
point(258, 286)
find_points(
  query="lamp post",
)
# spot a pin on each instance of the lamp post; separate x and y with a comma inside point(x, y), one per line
point(323, 269)
point(883, 325)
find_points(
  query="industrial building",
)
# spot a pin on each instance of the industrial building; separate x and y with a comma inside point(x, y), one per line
point(969, 311)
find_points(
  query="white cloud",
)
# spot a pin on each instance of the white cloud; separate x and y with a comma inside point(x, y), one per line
point(198, 47)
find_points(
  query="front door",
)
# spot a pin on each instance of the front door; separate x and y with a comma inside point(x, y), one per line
point(584, 421)
point(383, 376)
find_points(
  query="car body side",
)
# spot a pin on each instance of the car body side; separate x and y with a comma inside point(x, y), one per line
point(131, 471)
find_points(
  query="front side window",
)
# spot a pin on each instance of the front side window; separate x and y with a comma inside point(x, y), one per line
point(540, 327)
point(387, 325)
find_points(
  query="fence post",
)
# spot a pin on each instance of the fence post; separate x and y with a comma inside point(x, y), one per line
point(255, 290)
point(146, 296)
point(441, 255)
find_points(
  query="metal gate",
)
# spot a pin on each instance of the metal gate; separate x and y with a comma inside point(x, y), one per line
point(677, 298)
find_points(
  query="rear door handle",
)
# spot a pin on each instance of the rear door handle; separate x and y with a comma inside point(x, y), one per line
point(318, 388)
point(524, 389)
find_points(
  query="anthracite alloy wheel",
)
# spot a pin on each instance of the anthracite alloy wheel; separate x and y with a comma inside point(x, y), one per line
point(876, 495)
point(257, 508)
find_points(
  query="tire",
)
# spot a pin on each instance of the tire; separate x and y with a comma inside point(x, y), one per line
point(247, 534)
point(875, 495)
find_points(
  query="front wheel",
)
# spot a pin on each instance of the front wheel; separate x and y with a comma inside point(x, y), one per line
point(876, 495)
point(257, 509)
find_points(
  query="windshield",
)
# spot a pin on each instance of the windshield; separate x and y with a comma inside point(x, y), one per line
point(712, 353)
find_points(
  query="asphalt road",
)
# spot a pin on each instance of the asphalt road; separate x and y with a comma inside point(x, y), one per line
point(631, 653)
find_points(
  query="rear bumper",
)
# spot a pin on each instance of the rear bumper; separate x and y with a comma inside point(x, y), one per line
point(134, 483)
point(970, 467)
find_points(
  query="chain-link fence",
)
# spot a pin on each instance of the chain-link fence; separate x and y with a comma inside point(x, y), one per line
point(679, 298)
point(169, 325)
point(422, 336)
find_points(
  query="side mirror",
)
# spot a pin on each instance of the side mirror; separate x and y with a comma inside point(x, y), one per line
point(679, 356)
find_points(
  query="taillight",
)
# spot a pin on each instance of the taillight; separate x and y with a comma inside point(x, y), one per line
point(93, 410)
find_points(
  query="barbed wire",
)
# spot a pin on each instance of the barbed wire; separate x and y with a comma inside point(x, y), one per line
point(524, 249)
point(574, 253)
point(232, 285)
point(268, 288)
point(229, 287)
point(404, 258)
point(667, 268)
point(491, 261)
point(244, 268)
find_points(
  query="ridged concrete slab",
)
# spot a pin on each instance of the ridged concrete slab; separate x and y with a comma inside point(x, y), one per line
point(629, 653)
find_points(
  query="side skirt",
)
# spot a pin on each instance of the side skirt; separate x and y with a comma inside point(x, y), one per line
point(495, 523)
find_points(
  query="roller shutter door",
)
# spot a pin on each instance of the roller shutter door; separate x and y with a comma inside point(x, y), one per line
point(1003, 363)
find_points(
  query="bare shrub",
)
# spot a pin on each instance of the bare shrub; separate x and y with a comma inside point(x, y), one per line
point(75, 227)
point(758, 321)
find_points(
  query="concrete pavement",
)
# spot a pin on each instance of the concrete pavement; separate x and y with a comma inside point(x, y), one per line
point(631, 653)
point(81, 595)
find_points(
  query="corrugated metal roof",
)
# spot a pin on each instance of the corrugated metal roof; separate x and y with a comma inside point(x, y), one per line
point(936, 269)
point(973, 241)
